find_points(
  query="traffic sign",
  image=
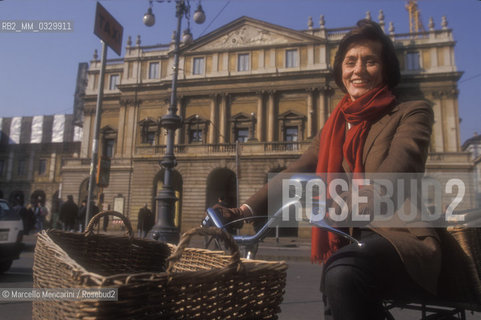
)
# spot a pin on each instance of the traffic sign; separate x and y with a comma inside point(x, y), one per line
point(108, 29)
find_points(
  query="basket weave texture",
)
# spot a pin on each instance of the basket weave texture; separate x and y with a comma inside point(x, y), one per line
point(154, 280)
point(461, 266)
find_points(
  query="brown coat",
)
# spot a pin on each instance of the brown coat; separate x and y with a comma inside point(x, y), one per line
point(397, 142)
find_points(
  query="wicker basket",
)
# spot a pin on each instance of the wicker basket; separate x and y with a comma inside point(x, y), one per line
point(460, 279)
point(197, 284)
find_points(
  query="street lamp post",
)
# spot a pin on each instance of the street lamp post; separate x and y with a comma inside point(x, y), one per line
point(165, 229)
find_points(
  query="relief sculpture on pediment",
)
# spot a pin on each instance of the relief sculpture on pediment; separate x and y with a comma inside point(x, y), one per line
point(247, 36)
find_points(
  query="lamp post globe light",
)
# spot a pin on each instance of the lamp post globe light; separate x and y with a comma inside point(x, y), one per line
point(164, 229)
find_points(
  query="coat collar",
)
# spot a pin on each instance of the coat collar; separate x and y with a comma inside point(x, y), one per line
point(374, 131)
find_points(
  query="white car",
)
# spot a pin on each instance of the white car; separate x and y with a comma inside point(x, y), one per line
point(11, 234)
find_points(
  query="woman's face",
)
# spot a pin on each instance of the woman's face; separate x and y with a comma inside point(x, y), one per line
point(362, 68)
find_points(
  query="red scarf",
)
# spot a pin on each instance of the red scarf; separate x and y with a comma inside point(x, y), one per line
point(336, 145)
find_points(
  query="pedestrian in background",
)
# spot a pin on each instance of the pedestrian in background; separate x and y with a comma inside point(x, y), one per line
point(94, 211)
point(105, 225)
point(40, 214)
point(29, 223)
point(145, 221)
point(81, 216)
point(68, 214)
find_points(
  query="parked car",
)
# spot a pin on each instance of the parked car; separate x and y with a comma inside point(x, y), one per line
point(11, 235)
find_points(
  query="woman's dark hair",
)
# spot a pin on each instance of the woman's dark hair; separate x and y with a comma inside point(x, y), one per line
point(369, 30)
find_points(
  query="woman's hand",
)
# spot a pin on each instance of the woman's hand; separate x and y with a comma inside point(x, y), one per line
point(230, 214)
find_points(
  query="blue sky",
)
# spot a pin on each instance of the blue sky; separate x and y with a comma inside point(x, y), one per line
point(38, 70)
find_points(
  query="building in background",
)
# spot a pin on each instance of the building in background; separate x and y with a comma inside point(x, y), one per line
point(267, 86)
point(32, 151)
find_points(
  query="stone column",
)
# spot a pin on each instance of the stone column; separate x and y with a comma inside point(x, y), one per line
point(451, 130)
point(223, 119)
point(213, 120)
point(438, 134)
point(121, 131)
point(260, 126)
point(322, 109)
point(85, 146)
point(271, 116)
point(310, 113)
point(127, 124)
point(129, 135)
point(53, 160)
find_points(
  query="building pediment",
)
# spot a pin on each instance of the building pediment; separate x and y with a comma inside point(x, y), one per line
point(246, 32)
point(291, 115)
point(108, 130)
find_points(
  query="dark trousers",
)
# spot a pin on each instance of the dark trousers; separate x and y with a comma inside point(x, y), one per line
point(356, 280)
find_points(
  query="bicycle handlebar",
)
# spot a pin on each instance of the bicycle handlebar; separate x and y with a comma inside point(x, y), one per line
point(252, 239)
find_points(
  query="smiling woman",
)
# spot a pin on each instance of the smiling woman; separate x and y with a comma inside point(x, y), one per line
point(361, 68)
point(366, 58)
point(369, 131)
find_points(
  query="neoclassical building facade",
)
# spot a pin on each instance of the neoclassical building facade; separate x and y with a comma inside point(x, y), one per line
point(266, 86)
point(32, 152)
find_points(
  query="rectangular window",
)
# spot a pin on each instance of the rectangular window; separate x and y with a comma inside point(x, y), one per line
point(42, 167)
point(291, 135)
point(149, 138)
point(292, 58)
point(195, 135)
point(198, 65)
point(114, 81)
point(108, 147)
point(22, 167)
point(154, 70)
point(2, 167)
point(413, 61)
point(242, 134)
point(243, 62)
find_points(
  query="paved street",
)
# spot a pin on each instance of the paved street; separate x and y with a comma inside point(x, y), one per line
point(302, 299)
point(19, 276)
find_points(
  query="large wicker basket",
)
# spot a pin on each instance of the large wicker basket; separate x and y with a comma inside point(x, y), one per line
point(460, 279)
point(197, 284)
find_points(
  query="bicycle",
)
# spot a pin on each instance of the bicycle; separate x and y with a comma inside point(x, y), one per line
point(430, 310)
